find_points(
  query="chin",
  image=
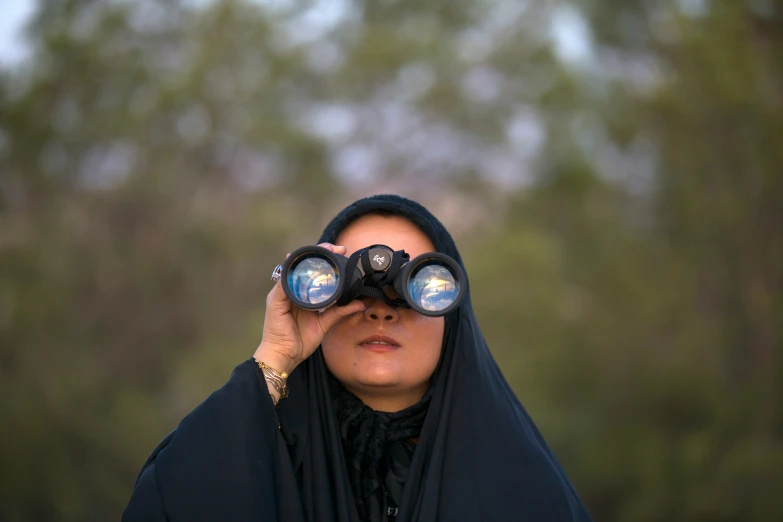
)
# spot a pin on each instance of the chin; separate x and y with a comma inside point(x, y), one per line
point(378, 379)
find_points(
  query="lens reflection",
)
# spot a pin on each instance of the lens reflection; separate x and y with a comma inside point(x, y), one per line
point(313, 280)
point(432, 286)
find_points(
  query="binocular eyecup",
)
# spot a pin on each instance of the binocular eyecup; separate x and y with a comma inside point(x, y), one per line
point(432, 284)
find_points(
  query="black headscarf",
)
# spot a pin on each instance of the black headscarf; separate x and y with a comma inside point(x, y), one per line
point(479, 455)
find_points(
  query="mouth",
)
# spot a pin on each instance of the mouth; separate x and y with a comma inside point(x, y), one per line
point(380, 343)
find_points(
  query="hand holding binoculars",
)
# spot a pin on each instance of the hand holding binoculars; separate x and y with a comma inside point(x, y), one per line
point(313, 278)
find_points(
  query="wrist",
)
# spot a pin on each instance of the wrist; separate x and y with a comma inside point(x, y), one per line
point(274, 359)
point(276, 382)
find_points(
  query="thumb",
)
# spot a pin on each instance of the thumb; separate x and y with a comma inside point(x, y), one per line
point(277, 299)
point(333, 314)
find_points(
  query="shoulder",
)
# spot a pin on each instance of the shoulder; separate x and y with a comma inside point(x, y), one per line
point(219, 456)
point(146, 503)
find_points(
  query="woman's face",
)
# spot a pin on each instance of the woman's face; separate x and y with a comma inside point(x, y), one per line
point(387, 377)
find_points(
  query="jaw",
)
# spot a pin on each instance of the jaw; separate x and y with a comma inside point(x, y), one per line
point(378, 369)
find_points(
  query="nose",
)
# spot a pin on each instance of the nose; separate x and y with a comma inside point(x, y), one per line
point(377, 310)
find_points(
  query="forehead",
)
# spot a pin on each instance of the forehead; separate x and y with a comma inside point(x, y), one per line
point(393, 231)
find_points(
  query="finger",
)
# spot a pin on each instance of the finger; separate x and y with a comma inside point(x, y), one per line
point(275, 294)
point(277, 299)
point(337, 249)
point(333, 314)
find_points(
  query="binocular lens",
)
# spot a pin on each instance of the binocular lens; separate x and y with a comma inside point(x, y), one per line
point(433, 286)
point(313, 279)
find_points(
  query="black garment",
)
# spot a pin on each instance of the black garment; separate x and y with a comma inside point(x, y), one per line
point(479, 455)
point(378, 449)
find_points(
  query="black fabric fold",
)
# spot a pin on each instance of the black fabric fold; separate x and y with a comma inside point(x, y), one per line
point(378, 449)
point(479, 455)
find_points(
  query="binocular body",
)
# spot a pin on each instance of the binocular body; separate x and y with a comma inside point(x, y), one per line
point(433, 284)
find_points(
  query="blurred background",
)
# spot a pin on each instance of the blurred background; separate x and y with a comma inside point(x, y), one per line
point(612, 172)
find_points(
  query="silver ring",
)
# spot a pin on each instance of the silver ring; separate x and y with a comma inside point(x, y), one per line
point(277, 273)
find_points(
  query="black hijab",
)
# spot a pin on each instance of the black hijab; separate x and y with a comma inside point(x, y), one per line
point(479, 455)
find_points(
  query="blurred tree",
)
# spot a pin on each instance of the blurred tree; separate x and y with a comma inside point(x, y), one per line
point(156, 159)
point(141, 176)
point(655, 358)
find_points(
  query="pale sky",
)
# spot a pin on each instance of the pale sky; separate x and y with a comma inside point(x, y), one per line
point(13, 15)
point(569, 33)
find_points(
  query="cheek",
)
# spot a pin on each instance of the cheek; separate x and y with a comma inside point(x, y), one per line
point(427, 333)
point(333, 349)
point(338, 336)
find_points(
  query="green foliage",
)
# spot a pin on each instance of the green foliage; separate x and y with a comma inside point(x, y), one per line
point(620, 220)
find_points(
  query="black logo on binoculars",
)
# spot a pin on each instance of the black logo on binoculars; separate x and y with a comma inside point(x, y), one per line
point(432, 283)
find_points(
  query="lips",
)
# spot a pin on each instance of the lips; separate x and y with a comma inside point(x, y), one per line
point(379, 342)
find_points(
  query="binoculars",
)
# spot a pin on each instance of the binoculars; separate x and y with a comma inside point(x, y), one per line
point(432, 284)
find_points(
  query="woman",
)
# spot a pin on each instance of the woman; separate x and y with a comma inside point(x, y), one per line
point(398, 416)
